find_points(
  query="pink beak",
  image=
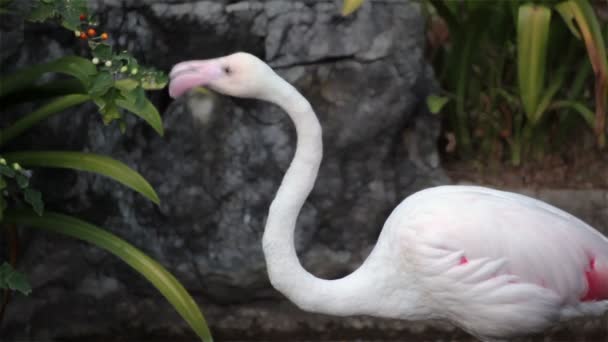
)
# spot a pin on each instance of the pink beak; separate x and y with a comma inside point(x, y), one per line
point(187, 75)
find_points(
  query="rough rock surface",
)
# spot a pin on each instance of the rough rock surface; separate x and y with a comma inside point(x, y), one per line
point(219, 164)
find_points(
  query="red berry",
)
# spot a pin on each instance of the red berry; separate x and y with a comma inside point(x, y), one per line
point(83, 36)
point(105, 36)
point(83, 17)
point(91, 32)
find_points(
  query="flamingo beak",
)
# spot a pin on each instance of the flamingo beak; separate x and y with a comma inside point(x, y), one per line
point(191, 74)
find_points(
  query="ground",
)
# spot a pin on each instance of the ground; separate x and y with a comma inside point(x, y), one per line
point(582, 169)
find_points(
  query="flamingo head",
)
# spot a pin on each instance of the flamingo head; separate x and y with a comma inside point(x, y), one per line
point(240, 75)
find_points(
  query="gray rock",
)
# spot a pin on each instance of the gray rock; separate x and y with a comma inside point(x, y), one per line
point(221, 160)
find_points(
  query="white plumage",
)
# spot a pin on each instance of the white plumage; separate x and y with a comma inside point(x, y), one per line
point(526, 260)
point(497, 264)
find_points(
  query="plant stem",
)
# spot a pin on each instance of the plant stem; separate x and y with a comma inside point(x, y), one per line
point(42, 113)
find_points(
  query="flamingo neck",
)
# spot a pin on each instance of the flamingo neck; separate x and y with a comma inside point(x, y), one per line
point(346, 296)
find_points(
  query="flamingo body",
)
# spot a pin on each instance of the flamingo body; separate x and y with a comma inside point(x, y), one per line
point(484, 256)
point(496, 263)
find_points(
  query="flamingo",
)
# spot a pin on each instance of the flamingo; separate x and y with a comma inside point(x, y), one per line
point(497, 264)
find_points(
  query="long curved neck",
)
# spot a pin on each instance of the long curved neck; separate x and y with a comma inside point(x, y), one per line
point(344, 296)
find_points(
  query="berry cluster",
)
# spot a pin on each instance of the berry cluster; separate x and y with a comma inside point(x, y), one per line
point(90, 32)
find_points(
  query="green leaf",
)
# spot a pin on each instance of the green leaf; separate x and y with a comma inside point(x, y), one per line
point(44, 92)
point(34, 198)
point(136, 97)
point(42, 12)
point(147, 112)
point(140, 98)
point(101, 83)
point(567, 10)
point(435, 103)
point(70, 11)
point(78, 67)
point(590, 29)
point(86, 162)
point(154, 79)
point(22, 180)
point(7, 171)
point(103, 51)
point(126, 84)
point(532, 40)
point(14, 280)
point(107, 106)
point(580, 108)
point(350, 6)
point(111, 113)
point(53, 107)
point(164, 281)
point(2, 184)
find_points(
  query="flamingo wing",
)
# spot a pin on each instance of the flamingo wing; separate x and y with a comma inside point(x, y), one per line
point(498, 262)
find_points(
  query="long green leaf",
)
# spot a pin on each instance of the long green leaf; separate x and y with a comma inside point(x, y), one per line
point(580, 108)
point(590, 30)
point(78, 67)
point(164, 281)
point(53, 107)
point(532, 40)
point(86, 162)
point(43, 92)
point(554, 86)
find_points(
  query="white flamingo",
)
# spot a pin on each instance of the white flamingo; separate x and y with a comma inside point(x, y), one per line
point(495, 263)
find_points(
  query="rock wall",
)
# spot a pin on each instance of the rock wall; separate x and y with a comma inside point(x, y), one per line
point(219, 165)
point(221, 160)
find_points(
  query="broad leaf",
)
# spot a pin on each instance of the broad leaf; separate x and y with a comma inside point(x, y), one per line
point(158, 276)
point(101, 83)
point(103, 51)
point(87, 162)
point(147, 111)
point(42, 12)
point(70, 12)
point(532, 39)
point(34, 198)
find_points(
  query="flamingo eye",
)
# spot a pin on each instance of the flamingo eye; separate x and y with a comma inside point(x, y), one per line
point(227, 70)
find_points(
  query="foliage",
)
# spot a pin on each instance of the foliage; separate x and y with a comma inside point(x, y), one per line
point(350, 6)
point(166, 283)
point(20, 185)
point(14, 280)
point(116, 83)
point(515, 79)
